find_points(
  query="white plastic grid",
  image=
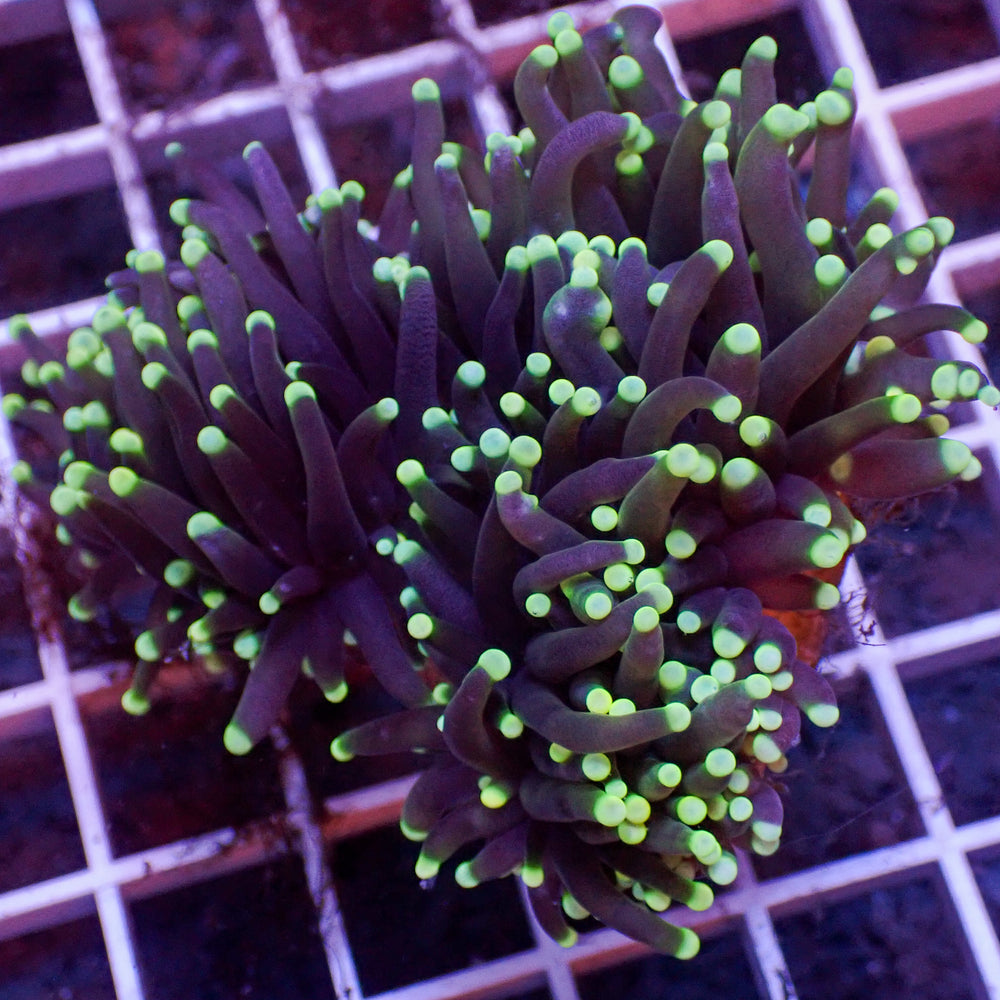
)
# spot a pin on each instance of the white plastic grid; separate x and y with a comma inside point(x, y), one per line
point(473, 61)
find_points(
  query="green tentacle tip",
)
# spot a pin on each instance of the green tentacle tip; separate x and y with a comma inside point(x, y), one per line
point(544, 56)
point(724, 871)
point(79, 611)
point(833, 108)
point(494, 442)
point(339, 751)
point(180, 211)
point(716, 114)
point(126, 441)
point(252, 147)
point(625, 73)
point(680, 544)
point(352, 191)
point(18, 326)
point(609, 810)
point(13, 404)
point(905, 408)
point(193, 252)
point(784, 123)
point(974, 331)
point(819, 231)
point(742, 338)
point(720, 252)
point(919, 242)
point(236, 740)
point(154, 374)
point(259, 316)
point(220, 395)
point(942, 228)
point(201, 524)
point(826, 551)
point(645, 619)
point(525, 451)
point(269, 603)
point(336, 694)
point(955, 455)
point(123, 481)
point(464, 876)
point(728, 408)
point(830, 270)
point(822, 715)
point(471, 374)
point(21, 472)
point(387, 409)
point(64, 500)
point(149, 262)
point(77, 473)
point(843, 78)
point(446, 161)
point(560, 21)
point(764, 47)
point(211, 441)
point(568, 42)
point(135, 702)
point(298, 391)
point(426, 89)
point(758, 686)
point(202, 338)
point(989, 395)
point(426, 868)
point(715, 152)
point(147, 648)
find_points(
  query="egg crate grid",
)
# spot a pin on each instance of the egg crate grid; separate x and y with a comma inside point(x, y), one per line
point(148, 827)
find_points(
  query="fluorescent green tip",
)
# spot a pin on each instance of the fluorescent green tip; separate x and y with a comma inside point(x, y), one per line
point(495, 662)
point(211, 441)
point(624, 73)
point(339, 751)
point(236, 740)
point(692, 810)
point(297, 391)
point(146, 647)
point(757, 686)
point(955, 455)
point(716, 114)
point(259, 316)
point(738, 473)
point(826, 551)
point(544, 56)
point(426, 89)
point(833, 108)
point(122, 481)
point(764, 47)
point(784, 123)
point(568, 42)
point(149, 262)
point(410, 472)
point(202, 523)
point(609, 810)
point(720, 252)
point(426, 868)
point(135, 703)
point(830, 270)
point(464, 876)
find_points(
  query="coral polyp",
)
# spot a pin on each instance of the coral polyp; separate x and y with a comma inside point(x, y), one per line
point(559, 441)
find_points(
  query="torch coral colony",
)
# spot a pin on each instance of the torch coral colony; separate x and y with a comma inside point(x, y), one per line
point(553, 442)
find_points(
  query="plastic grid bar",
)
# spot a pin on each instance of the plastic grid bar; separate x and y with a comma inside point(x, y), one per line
point(472, 61)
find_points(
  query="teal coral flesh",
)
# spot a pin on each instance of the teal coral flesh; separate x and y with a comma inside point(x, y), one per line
point(552, 441)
